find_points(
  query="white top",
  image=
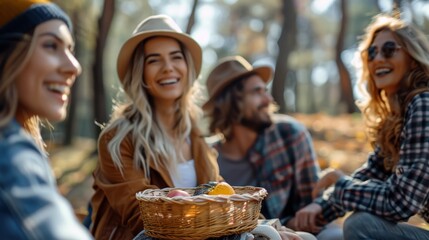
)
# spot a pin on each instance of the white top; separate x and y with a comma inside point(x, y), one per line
point(187, 176)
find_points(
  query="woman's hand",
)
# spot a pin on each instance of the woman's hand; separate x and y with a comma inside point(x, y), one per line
point(329, 177)
point(305, 218)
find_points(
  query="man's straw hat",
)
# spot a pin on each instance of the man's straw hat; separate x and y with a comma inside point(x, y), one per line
point(157, 26)
point(228, 70)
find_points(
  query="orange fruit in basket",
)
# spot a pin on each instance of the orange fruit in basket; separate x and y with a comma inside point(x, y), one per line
point(222, 188)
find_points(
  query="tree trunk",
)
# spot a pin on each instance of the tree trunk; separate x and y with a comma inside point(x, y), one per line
point(70, 122)
point(191, 20)
point(398, 3)
point(286, 42)
point(346, 97)
point(104, 23)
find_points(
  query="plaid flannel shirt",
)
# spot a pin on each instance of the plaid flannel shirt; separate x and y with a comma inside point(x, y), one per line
point(284, 163)
point(393, 196)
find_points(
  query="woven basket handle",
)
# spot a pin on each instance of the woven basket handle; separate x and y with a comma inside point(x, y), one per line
point(266, 231)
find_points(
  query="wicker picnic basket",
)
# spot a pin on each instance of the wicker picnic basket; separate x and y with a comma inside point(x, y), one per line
point(202, 216)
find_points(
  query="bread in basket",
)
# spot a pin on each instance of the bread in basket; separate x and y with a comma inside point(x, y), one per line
point(202, 216)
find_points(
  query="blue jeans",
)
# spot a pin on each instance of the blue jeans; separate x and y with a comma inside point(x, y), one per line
point(331, 231)
point(365, 226)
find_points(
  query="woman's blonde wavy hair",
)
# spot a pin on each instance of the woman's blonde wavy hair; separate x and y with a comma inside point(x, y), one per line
point(136, 117)
point(14, 55)
point(384, 114)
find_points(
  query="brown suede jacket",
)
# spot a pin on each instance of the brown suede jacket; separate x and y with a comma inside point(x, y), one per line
point(116, 213)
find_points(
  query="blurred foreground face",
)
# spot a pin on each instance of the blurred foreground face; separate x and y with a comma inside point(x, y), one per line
point(388, 62)
point(45, 81)
point(256, 104)
point(165, 69)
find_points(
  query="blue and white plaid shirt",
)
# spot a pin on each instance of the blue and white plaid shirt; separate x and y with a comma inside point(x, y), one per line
point(393, 196)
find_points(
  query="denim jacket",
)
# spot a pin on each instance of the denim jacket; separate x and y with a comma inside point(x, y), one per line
point(30, 205)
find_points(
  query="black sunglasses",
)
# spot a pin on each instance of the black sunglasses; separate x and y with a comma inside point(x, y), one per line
point(388, 50)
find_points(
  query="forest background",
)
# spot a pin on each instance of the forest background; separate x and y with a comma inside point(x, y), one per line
point(311, 44)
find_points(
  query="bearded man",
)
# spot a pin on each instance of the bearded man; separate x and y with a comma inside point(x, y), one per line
point(259, 147)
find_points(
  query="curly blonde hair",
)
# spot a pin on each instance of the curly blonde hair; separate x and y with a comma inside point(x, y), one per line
point(136, 117)
point(384, 114)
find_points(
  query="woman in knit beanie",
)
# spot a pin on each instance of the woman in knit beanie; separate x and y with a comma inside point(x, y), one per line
point(37, 70)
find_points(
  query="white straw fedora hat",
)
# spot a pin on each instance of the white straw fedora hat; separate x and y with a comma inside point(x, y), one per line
point(228, 70)
point(157, 25)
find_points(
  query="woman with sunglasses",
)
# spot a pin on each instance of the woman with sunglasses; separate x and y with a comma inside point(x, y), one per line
point(393, 185)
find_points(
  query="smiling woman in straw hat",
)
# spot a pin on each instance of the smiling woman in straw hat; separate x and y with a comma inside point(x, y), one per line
point(37, 70)
point(152, 140)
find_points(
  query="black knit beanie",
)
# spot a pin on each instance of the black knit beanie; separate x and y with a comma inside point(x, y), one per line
point(18, 17)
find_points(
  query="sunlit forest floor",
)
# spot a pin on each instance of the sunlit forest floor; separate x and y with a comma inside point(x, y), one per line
point(339, 141)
